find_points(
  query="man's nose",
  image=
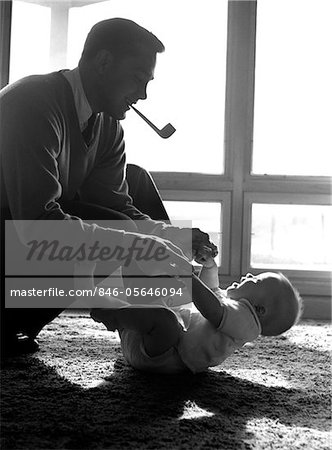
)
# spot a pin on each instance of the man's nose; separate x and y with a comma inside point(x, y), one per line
point(142, 94)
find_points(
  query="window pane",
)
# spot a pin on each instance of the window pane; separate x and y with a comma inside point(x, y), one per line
point(291, 236)
point(293, 90)
point(30, 39)
point(206, 216)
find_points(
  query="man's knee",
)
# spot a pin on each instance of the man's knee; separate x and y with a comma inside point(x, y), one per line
point(144, 193)
point(138, 177)
point(133, 170)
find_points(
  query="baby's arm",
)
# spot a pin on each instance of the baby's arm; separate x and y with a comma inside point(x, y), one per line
point(209, 275)
point(203, 298)
point(206, 302)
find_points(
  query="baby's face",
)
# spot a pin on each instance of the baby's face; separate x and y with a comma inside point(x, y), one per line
point(271, 298)
point(251, 282)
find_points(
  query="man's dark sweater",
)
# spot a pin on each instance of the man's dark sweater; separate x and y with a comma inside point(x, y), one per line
point(46, 161)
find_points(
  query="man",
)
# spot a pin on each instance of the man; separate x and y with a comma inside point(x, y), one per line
point(63, 159)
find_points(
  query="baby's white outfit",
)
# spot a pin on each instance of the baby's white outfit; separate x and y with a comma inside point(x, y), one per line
point(201, 345)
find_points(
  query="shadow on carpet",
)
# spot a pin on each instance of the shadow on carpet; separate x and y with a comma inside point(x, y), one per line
point(77, 392)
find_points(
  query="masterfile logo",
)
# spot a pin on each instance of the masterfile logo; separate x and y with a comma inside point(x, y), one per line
point(51, 248)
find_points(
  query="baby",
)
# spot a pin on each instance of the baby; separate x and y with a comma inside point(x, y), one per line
point(202, 334)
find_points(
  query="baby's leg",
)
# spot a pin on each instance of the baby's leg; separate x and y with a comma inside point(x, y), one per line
point(159, 326)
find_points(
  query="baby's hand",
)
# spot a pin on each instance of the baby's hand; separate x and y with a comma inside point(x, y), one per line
point(204, 256)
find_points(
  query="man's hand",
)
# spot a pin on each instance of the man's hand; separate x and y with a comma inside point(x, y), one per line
point(201, 240)
point(155, 256)
point(192, 240)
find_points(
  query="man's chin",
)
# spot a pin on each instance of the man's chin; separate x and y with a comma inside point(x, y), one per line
point(120, 116)
point(116, 115)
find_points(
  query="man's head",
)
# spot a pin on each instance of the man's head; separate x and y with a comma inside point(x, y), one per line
point(117, 62)
point(276, 302)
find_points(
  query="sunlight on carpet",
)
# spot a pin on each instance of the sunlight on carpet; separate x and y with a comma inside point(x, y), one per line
point(309, 337)
point(192, 411)
point(284, 436)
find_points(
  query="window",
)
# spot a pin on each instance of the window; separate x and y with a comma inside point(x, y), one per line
point(29, 49)
point(247, 86)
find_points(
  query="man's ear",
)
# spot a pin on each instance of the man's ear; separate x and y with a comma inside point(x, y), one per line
point(102, 61)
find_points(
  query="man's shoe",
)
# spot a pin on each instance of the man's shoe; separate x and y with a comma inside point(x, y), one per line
point(19, 344)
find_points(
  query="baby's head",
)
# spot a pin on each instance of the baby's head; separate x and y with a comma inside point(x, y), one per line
point(277, 303)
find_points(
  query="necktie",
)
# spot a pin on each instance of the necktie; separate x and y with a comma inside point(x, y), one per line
point(88, 130)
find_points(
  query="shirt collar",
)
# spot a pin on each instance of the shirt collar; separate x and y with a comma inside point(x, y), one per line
point(83, 107)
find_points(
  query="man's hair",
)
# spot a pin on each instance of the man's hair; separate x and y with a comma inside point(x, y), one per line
point(122, 37)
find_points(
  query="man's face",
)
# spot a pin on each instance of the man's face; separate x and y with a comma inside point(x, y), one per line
point(124, 81)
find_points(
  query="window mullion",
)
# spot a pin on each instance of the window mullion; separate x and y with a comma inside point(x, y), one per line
point(239, 114)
